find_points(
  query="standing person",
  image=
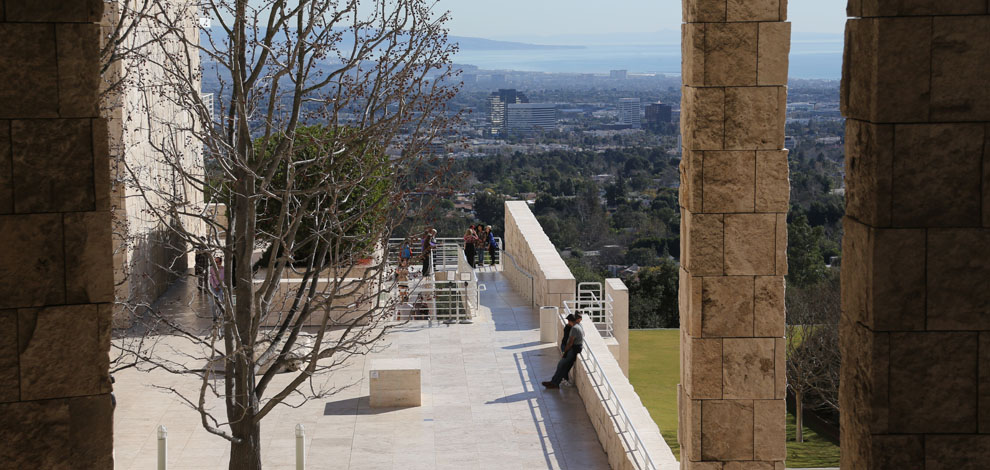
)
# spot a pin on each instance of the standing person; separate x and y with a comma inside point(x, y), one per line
point(429, 243)
point(563, 341)
point(201, 269)
point(492, 244)
point(479, 245)
point(575, 342)
point(469, 237)
point(216, 285)
point(404, 254)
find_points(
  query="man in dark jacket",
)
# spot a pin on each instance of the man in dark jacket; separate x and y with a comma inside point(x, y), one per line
point(492, 244)
point(575, 342)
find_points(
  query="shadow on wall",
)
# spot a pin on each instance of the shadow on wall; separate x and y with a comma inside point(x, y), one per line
point(150, 262)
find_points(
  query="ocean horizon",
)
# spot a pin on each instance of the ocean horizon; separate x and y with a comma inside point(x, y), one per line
point(808, 59)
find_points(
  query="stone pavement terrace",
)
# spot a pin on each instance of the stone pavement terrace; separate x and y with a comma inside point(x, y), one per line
point(483, 406)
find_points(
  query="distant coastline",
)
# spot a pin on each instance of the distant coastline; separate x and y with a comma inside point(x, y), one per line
point(808, 59)
point(813, 55)
point(480, 44)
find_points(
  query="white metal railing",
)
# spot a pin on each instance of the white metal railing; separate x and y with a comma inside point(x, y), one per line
point(640, 454)
point(451, 294)
point(438, 301)
point(445, 254)
point(590, 303)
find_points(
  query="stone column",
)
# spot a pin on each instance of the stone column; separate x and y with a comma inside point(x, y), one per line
point(734, 200)
point(56, 280)
point(915, 331)
point(617, 290)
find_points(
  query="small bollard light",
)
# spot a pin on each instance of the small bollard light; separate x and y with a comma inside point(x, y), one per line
point(300, 447)
point(162, 448)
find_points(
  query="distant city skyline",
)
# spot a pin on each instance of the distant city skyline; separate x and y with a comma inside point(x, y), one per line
point(529, 20)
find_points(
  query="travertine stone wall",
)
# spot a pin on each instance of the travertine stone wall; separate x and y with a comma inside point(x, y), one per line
point(619, 293)
point(734, 199)
point(152, 133)
point(526, 242)
point(915, 331)
point(56, 279)
point(602, 406)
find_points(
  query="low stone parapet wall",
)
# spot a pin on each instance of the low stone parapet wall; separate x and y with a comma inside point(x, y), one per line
point(530, 250)
point(624, 426)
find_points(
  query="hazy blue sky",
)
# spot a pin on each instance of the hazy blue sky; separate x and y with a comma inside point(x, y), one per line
point(527, 18)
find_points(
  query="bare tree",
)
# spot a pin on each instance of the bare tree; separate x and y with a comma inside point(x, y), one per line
point(813, 356)
point(312, 148)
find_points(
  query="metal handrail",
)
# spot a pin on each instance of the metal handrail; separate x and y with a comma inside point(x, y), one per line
point(444, 247)
point(608, 393)
point(598, 310)
point(425, 299)
point(461, 303)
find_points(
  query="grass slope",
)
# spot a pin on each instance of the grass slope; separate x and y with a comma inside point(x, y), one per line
point(654, 369)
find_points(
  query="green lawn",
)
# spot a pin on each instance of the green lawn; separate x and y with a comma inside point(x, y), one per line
point(654, 369)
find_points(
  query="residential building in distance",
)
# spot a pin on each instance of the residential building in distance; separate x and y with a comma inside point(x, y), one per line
point(498, 103)
point(629, 112)
point(530, 117)
point(658, 113)
point(618, 74)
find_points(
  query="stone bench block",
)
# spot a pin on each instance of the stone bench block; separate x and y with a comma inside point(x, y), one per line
point(395, 382)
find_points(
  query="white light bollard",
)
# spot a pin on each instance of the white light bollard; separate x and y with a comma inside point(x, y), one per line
point(549, 324)
point(300, 447)
point(162, 448)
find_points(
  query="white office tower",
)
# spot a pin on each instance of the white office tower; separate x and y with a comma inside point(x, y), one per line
point(531, 117)
point(629, 112)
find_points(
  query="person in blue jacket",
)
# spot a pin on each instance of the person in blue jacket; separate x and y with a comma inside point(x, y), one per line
point(491, 243)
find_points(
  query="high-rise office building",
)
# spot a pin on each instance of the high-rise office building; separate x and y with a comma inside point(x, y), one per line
point(657, 114)
point(629, 112)
point(498, 103)
point(531, 117)
point(617, 74)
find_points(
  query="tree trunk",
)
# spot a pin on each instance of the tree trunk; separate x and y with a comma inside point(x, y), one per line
point(243, 408)
point(246, 455)
point(798, 417)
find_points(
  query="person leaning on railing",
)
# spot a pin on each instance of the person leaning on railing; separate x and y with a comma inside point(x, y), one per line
point(491, 244)
point(575, 343)
point(563, 343)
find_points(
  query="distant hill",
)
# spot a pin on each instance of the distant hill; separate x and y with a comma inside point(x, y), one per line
point(466, 43)
point(480, 44)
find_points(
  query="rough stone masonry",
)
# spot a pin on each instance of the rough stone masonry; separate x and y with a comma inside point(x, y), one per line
point(56, 278)
point(915, 328)
point(734, 201)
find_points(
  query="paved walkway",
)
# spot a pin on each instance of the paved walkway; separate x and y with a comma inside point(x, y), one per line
point(483, 406)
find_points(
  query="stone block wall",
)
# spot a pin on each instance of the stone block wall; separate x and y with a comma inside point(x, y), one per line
point(151, 133)
point(56, 273)
point(602, 406)
point(915, 330)
point(734, 198)
point(617, 290)
point(526, 242)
